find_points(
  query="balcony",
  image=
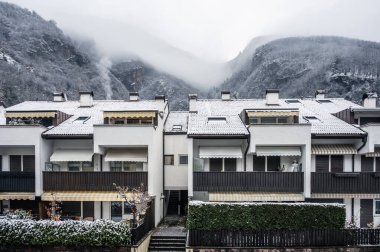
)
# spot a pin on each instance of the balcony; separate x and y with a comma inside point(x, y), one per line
point(347, 182)
point(17, 182)
point(248, 181)
point(92, 181)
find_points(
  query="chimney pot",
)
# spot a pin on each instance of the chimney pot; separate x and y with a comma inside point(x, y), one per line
point(193, 97)
point(226, 95)
point(320, 94)
point(59, 97)
point(369, 100)
point(86, 98)
point(160, 97)
point(272, 96)
point(134, 96)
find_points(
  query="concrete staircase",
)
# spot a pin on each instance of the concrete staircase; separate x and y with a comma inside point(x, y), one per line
point(167, 243)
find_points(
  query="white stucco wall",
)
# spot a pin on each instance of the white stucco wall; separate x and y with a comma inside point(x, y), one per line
point(373, 140)
point(176, 175)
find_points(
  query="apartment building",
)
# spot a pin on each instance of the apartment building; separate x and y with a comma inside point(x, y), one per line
point(315, 149)
point(75, 151)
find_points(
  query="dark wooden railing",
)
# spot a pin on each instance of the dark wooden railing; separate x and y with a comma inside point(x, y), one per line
point(347, 182)
point(17, 181)
point(92, 181)
point(283, 238)
point(143, 229)
point(248, 181)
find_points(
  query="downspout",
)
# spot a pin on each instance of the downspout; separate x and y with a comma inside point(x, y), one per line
point(364, 139)
point(248, 144)
point(163, 163)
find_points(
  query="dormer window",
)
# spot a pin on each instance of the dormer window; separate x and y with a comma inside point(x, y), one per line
point(177, 127)
point(292, 101)
point(311, 118)
point(81, 119)
point(324, 101)
point(216, 120)
point(31, 118)
point(285, 116)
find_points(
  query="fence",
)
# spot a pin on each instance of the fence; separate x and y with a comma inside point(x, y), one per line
point(143, 229)
point(283, 238)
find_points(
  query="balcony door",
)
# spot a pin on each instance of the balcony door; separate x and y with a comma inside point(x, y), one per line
point(222, 164)
point(22, 163)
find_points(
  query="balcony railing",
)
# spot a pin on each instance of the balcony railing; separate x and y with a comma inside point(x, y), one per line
point(248, 181)
point(92, 181)
point(17, 181)
point(345, 182)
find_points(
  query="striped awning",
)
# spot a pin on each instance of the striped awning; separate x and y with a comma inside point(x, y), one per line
point(376, 153)
point(333, 149)
point(66, 155)
point(345, 195)
point(127, 155)
point(278, 151)
point(271, 113)
point(17, 196)
point(252, 196)
point(220, 152)
point(30, 114)
point(129, 114)
point(82, 196)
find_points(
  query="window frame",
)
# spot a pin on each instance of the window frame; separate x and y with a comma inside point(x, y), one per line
point(374, 207)
point(180, 156)
point(171, 160)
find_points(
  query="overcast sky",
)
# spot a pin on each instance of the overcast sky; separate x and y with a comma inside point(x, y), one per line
point(217, 30)
point(191, 39)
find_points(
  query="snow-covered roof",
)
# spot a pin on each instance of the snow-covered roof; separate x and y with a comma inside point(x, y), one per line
point(72, 126)
point(176, 122)
point(326, 123)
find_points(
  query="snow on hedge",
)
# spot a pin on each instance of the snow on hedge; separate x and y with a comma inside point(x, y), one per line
point(200, 203)
point(99, 233)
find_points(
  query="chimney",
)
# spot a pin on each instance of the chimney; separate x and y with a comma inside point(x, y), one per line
point(272, 96)
point(159, 97)
point(59, 97)
point(134, 96)
point(320, 94)
point(369, 100)
point(226, 95)
point(192, 99)
point(86, 99)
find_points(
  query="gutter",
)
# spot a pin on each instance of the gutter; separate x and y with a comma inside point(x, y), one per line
point(163, 161)
point(248, 144)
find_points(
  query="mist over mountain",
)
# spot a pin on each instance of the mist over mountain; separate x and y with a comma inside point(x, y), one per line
point(37, 59)
point(298, 66)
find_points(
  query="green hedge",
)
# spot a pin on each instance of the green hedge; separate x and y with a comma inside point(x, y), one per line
point(100, 233)
point(265, 216)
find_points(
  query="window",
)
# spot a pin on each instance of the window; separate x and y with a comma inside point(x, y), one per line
point(324, 101)
point(216, 164)
point(146, 121)
point(258, 163)
point(73, 166)
point(230, 164)
point(177, 127)
point(273, 163)
point(377, 207)
point(71, 210)
point(183, 159)
point(133, 121)
point(28, 163)
point(265, 120)
point(292, 101)
point(15, 163)
point(116, 211)
point(81, 119)
point(169, 159)
point(321, 163)
point(132, 166)
point(367, 164)
point(119, 121)
point(311, 118)
point(216, 120)
point(88, 209)
point(337, 163)
point(116, 166)
point(254, 120)
point(87, 166)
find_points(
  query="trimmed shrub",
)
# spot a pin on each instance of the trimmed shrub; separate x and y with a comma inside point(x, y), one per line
point(265, 216)
point(100, 233)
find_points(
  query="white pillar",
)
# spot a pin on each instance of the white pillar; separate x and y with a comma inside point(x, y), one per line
point(306, 166)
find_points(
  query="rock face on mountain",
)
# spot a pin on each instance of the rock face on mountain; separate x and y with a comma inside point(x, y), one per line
point(37, 59)
point(298, 66)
